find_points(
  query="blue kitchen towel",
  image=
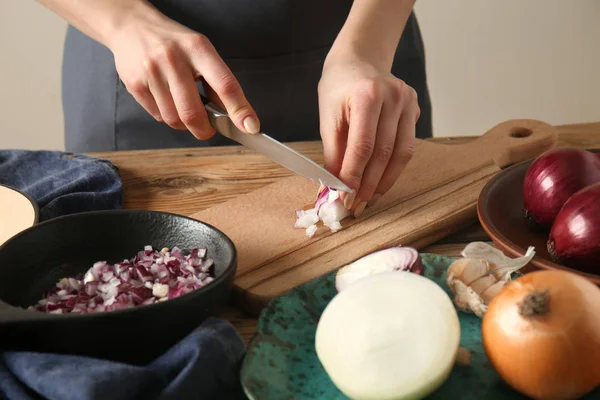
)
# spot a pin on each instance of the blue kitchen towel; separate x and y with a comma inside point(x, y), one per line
point(62, 183)
point(203, 366)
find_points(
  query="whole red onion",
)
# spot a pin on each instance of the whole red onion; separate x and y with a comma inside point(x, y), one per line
point(575, 235)
point(553, 177)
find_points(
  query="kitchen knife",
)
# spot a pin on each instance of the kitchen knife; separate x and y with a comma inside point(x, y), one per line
point(272, 149)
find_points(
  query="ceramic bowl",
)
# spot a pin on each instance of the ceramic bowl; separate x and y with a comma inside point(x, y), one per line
point(34, 260)
point(500, 211)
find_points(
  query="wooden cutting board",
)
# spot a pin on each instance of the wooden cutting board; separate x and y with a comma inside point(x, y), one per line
point(435, 196)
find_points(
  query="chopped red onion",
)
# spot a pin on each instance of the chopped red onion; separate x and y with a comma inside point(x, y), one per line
point(147, 278)
point(328, 208)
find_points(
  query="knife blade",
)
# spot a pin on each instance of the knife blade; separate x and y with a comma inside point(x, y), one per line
point(272, 149)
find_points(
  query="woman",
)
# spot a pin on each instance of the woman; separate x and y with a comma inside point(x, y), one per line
point(336, 70)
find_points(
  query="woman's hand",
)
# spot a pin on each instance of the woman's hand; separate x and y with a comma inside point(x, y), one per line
point(159, 61)
point(368, 120)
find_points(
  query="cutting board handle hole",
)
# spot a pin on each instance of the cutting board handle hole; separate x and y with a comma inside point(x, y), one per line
point(520, 132)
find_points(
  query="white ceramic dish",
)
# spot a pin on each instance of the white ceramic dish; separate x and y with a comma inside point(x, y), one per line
point(17, 212)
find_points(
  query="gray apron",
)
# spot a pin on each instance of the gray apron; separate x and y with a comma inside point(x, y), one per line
point(275, 48)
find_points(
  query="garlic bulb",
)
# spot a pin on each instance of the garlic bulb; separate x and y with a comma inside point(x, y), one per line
point(481, 274)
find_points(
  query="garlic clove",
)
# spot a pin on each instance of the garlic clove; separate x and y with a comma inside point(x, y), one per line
point(474, 270)
point(466, 300)
point(456, 270)
point(492, 291)
point(482, 284)
point(469, 270)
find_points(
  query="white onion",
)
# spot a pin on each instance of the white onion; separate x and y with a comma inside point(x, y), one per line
point(393, 335)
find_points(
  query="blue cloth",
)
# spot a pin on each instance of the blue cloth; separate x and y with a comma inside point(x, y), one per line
point(204, 365)
point(62, 183)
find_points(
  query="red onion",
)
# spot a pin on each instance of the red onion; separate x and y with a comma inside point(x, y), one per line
point(147, 278)
point(575, 235)
point(328, 208)
point(392, 259)
point(553, 177)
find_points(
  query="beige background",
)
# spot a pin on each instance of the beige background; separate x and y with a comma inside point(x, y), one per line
point(487, 61)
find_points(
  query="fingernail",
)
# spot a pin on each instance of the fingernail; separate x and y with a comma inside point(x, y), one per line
point(374, 199)
point(360, 208)
point(251, 125)
point(349, 199)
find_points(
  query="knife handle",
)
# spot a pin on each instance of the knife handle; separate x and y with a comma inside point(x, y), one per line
point(204, 99)
point(213, 108)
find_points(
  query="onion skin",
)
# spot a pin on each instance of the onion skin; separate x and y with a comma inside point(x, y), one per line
point(574, 239)
point(548, 346)
point(397, 258)
point(553, 177)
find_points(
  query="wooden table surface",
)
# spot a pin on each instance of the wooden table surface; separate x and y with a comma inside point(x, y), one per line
point(185, 181)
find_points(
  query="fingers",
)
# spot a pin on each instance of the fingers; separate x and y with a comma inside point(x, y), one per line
point(217, 74)
point(167, 90)
point(365, 111)
point(158, 86)
point(381, 141)
point(190, 110)
point(141, 93)
point(404, 147)
point(382, 154)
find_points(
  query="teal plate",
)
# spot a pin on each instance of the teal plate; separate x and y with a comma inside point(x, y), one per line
point(281, 362)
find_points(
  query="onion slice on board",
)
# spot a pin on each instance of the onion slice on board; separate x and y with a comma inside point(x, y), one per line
point(328, 209)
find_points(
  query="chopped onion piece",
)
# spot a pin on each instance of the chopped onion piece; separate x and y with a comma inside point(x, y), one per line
point(306, 218)
point(160, 290)
point(310, 231)
point(328, 209)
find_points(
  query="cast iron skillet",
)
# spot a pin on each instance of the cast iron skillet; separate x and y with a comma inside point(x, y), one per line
point(35, 259)
point(500, 211)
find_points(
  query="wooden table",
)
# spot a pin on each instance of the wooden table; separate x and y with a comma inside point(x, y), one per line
point(185, 181)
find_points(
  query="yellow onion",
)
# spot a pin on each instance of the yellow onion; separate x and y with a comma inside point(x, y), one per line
point(541, 334)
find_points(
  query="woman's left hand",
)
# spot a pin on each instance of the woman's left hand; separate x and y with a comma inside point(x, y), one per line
point(367, 122)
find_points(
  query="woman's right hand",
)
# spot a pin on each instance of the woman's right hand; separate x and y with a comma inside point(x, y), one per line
point(159, 61)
